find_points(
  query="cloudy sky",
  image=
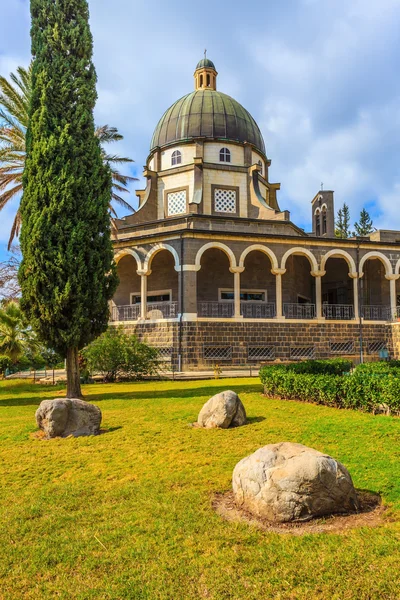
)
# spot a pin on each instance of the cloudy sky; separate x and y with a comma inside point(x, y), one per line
point(321, 78)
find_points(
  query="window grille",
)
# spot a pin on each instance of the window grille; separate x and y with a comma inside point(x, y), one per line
point(342, 347)
point(165, 354)
point(176, 158)
point(224, 201)
point(225, 155)
point(258, 353)
point(298, 352)
point(376, 346)
point(217, 352)
point(176, 202)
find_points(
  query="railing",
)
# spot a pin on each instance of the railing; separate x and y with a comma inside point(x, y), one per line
point(253, 310)
point(162, 310)
point(216, 309)
point(377, 313)
point(299, 311)
point(130, 312)
point(342, 312)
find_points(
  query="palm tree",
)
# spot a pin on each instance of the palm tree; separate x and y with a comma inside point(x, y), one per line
point(14, 108)
point(16, 337)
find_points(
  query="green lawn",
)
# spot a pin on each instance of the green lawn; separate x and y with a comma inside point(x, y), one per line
point(128, 514)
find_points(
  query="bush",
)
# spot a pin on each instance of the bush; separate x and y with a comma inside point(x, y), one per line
point(366, 388)
point(5, 364)
point(117, 355)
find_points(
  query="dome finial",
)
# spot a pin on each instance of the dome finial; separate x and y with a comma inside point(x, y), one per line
point(205, 75)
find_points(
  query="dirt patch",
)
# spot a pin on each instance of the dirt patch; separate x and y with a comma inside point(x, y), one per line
point(370, 515)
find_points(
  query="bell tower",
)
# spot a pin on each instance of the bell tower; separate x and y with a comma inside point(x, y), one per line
point(205, 75)
point(323, 214)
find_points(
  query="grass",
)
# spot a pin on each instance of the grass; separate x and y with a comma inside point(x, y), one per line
point(127, 514)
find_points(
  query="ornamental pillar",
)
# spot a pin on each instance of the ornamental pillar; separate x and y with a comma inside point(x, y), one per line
point(393, 296)
point(236, 285)
point(318, 292)
point(356, 301)
point(278, 281)
point(143, 293)
point(188, 284)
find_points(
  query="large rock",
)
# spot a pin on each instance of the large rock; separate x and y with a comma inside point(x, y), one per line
point(68, 416)
point(222, 410)
point(290, 482)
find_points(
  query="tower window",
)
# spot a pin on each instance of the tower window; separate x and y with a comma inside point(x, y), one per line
point(201, 80)
point(323, 223)
point(208, 80)
point(176, 158)
point(318, 225)
point(225, 155)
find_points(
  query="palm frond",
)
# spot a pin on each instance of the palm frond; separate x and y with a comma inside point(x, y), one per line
point(121, 202)
point(107, 134)
point(9, 194)
point(15, 229)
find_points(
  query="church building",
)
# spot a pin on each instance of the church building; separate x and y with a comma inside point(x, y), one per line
point(212, 271)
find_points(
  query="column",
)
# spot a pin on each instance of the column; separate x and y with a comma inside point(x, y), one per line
point(189, 292)
point(318, 291)
point(278, 280)
point(356, 300)
point(143, 293)
point(393, 295)
point(236, 285)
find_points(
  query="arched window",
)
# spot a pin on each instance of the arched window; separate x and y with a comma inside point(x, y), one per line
point(225, 155)
point(201, 80)
point(261, 165)
point(176, 158)
point(208, 80)
point(323, 222)
point(318, 225)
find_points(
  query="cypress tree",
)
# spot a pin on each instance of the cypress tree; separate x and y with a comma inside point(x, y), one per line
point(365, 225)
point(67, 274)
point(342, 226)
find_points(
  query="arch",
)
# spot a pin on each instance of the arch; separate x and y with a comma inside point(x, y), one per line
point(218, 245)
point(384, 260)
point(128, 252)
point(176, 158)
point(155, 250)
point(339, 254)
point(397, 269)
point(302, 252)
point(259, 248)
point(317, 211)
point(225, 155)
point(324, 208)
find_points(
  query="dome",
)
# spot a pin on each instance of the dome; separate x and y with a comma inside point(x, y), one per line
point(206, 113)
point(205, 63)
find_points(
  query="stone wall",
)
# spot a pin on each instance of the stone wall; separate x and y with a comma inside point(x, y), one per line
point(197, 337)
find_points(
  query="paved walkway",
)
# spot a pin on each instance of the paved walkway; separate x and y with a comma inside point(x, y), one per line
point(185, 375)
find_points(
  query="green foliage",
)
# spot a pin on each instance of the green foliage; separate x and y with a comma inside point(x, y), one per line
point(365, 225)
point(16, 337)
point(117, 355)
point(342, 225)
point(5, 364)
point(368, 387)
point(67, 274)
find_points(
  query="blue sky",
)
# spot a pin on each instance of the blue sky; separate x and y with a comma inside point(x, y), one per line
point(321, 78)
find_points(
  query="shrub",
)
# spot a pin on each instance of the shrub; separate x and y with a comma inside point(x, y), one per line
point(5, 364)
point(117, 355)
point(366, 388)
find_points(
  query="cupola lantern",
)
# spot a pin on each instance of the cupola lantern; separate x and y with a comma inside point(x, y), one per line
point(205, 75)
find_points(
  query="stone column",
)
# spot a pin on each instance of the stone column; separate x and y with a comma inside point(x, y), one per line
point(393, 296)
point(143, 293)
point(356, 301)
point(318, 291)
point(236, 273)
point(279, 305)
point(189, 312)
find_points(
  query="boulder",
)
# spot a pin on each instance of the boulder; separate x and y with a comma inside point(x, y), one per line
point(222, 410)
point(290, 482)
point(68, 416)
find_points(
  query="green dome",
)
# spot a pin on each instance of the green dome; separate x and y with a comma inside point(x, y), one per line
point(209, 114)
point(205, 63)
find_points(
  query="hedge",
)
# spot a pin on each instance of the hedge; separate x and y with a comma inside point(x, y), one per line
point(367, 388)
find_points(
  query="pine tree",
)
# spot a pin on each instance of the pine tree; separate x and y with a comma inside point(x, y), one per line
point(67, 274)
point(365, 225)
point(342, 226)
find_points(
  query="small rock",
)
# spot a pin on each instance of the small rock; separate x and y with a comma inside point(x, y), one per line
point(68, 416)
point(290, 482)
point(222, 410)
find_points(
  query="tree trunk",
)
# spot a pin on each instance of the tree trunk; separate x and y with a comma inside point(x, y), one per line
point(73, 377)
